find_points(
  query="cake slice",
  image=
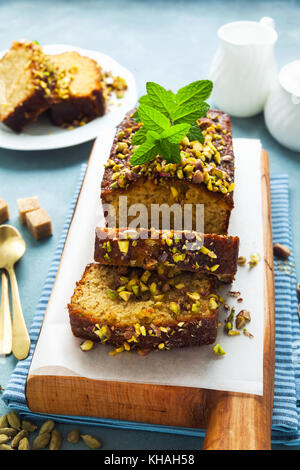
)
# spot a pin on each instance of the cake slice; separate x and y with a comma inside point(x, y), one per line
point(79, 95)
point(26, 84)
point(204, 176)
point(164, 250)
point(131, 308)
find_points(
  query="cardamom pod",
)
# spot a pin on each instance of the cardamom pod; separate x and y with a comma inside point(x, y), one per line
point(73, 436)
point(3, 422)
point(29, 425)
point(13, 420)
point(41, 441)
point(24, 444)
point(91, 441)
point(4, 438)
point(8, 431)
point(5, 447)
point(55, 441)
point(47, 427)
point(18, 438)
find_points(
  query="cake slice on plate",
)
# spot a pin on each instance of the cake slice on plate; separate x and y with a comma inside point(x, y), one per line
point(26, 84)
point(79, 93)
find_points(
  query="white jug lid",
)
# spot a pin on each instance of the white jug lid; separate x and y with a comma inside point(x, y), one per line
point(289, 78)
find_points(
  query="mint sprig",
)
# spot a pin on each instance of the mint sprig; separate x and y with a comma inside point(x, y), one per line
point(167, 118)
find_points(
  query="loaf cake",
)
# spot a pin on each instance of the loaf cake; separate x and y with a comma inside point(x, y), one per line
point(131, 308)
point(78, 96)
point(26, 85)
point(204, 176)
point(164, 250)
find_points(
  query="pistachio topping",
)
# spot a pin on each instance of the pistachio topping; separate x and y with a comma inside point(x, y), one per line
point(199, 163)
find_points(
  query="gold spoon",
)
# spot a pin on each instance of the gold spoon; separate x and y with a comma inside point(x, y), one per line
point(12, 248)
point(5, 319)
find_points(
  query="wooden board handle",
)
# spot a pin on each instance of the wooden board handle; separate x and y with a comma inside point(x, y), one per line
point(239, 421)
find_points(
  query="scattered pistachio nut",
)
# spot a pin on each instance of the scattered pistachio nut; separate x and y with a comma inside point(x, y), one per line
point(233, 333)
point(247, 333)
point(298, 290)
point(254, 259)
point(24, 444)
point(91, 441)
point(73, 436)
point(242, 260)
point(281, 251)
point(218, 350)
point(244, 314)
point(87, 345)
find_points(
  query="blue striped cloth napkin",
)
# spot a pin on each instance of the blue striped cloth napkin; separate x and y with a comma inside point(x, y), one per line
point(286, 412)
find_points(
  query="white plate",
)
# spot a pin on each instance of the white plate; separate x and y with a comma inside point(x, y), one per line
point(43, 135)
point(241, 370)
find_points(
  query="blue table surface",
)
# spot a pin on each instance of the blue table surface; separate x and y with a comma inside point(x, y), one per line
point(169, 42)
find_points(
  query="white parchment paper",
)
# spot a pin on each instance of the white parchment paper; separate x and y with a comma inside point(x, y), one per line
point(240, 370)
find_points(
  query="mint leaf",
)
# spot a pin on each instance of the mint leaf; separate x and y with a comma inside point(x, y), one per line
point(145, 99)
point(139, 137)
point(195, 133)
point(136, 116)
point(201, 89)
point(161, 99)
point(153, 119)
point(189, 112)
point(145, 153)
point(176, 133)
point(170, 152)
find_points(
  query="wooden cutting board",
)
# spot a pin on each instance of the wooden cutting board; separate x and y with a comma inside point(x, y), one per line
point(232, 420)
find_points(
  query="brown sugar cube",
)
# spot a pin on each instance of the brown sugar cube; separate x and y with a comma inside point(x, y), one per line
point(39, 224)
point(4, 212)
point(25, 205)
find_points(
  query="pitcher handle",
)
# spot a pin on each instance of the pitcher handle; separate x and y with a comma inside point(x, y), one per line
point(268, 21)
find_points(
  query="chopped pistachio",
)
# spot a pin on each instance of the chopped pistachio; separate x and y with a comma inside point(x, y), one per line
point(241, 260)
point(123, 246)
point(125, 295)
point(87, 345)
point(233, 333)
point(193, 295)
point(218, 350)
point(195, 308)
point(174, 192)
point(112, 294)
point(212, 304)
point(173, 306)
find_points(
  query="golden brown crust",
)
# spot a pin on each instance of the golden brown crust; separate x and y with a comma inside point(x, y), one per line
point(163, 248)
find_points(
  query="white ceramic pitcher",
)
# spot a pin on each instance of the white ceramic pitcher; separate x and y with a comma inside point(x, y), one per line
point(282, 110)
point(244, 67)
